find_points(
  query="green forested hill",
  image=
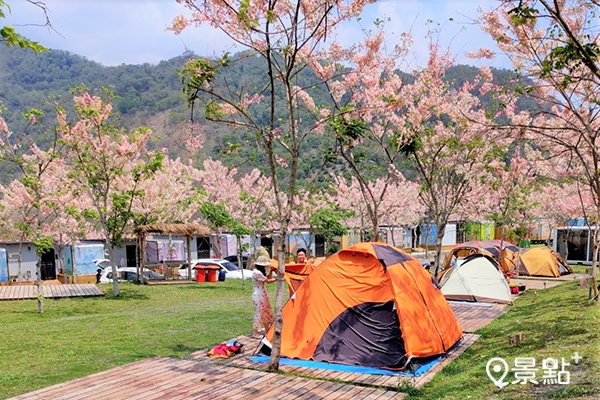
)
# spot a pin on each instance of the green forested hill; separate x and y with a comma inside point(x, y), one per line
point(151, 95)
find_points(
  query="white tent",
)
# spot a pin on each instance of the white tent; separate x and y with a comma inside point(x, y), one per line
point(476, 278)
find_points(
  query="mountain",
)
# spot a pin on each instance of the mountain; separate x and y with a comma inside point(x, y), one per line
point(152, 96)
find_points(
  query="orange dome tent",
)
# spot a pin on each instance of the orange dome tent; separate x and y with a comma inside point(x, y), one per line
point(370, 304)
point(295, 274)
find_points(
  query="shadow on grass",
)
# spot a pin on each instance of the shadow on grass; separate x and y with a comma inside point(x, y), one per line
point(126, 295)
point(183, 350)
point(208, 287)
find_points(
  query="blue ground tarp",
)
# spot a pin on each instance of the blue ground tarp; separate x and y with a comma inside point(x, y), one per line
point(422, 368)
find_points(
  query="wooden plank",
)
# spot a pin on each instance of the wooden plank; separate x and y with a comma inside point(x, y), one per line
point(267, 387)
point(179, 381)
point(83, 382)
point(162, 383)
point(190, 376)
point(307, 390)
point(343, 392)
point(112, 386)
point(239, 378)
point(144, 383)
point(384, 395)
point(324, 389)
point(252, 387)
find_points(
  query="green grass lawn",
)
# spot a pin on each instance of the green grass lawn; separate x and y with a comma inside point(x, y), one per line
point(79, 336)
point(556, 323)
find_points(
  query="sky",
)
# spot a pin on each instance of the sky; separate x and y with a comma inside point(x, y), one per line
point(115, 32)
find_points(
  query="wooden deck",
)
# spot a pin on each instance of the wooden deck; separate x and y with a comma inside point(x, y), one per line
point(473, 316)
point(21, 292)
point(389, 382)
point(166, 378)
point(541, 284)
point(559, 279)
point(237, 378)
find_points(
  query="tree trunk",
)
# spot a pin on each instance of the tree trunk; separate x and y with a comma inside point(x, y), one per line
point(218, 251)
point(40, 298)
point(501, 255)
point(19, 263)
point(375, 226)
point(438, 248)
point(239, 258)
point(279, 301)
point(594, 290)
point(188, 255)
point(111, 257)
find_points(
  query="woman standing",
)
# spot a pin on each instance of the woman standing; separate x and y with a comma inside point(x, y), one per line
point(263, 315)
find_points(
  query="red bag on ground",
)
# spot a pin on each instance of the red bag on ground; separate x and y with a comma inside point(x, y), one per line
point(225, 350)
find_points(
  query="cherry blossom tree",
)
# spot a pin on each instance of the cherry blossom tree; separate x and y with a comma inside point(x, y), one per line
point(554, 45)
point(287, 36)
point(169, 195)
point(511, 179)
point(559, 202)
point(401, 206)
point(109, 164)
point(368, 101)
point(396, 202)
point(449, 142)
point(349, 196)
point(320, 214)
point(219, 195)
point(258, 209)
point(37, 197)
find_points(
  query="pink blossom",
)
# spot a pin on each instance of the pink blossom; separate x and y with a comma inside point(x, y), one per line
point(179, 24)
point(481, 53)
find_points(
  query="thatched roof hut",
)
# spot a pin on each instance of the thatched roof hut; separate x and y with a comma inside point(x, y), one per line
point(176, 229)
point(168, 229)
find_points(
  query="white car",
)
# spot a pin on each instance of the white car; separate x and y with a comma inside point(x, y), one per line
point(231, 270)
point(128, 274)
point(101, 263)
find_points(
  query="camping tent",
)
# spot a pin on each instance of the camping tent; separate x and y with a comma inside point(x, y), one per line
point(543, 261)
point(370, 304)
point(476, 278)
point(295, 274)
point(487, 247)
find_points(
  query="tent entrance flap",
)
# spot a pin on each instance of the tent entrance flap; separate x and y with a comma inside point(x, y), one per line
point(367, 334)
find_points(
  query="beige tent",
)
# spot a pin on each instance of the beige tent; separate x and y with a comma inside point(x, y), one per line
point(476, 278)
point(507, 257)
point(543, 261)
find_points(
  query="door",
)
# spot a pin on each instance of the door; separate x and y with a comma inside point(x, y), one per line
point(48, 265)
point(319, 246)
point(203, 246)
point(131, 255)
point(267, 243)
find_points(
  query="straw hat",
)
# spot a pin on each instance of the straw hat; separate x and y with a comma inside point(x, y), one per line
point(263, 261)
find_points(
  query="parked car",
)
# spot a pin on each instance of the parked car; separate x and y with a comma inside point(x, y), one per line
point(231, 270)
point(234, 259)
point(128, 274)
point(101, 263)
